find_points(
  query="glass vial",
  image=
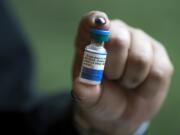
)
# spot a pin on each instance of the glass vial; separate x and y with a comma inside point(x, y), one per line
point(94, 58)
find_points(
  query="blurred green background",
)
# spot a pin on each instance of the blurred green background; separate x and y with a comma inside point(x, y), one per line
point(50, 26)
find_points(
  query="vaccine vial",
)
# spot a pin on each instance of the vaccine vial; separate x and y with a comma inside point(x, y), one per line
point(94, 57)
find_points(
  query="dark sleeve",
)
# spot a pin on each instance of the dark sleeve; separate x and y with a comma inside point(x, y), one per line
point(58, 112)
point(18, 115)
point(15, 63)
point(49, 116)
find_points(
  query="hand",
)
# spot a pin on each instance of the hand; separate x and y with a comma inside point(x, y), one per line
point(136, 78)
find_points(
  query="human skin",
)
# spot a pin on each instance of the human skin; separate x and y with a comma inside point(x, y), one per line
point(136, 79)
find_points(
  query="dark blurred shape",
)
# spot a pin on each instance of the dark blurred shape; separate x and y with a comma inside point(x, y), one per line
point(15, 64)
point(20, 112)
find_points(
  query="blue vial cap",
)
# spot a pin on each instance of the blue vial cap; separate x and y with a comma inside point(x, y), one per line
point(99, 35)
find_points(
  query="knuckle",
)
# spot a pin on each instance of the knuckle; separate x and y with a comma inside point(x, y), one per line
point(120, 43)
point(164, 64)
point(139, 32)
point(169, 70)
point(119, 23)
point(142, 61)
point(124, 40)
point(159, 74)
point(138, 35)
point(120, 36)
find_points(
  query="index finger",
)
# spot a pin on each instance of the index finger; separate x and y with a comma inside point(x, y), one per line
point(87, 22)
point(83, 38)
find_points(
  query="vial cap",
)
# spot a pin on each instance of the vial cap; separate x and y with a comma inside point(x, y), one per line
point(99, 35)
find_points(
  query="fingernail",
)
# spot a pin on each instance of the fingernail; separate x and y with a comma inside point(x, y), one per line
point(100, 21)
point(74, 97)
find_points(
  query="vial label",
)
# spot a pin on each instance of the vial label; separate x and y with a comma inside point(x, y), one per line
point(93, 66)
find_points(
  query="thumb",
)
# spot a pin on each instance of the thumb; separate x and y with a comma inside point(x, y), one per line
point(85, 95)
point(88, 94)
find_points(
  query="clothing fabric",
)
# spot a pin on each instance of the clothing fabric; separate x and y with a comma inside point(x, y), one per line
point(21, 110)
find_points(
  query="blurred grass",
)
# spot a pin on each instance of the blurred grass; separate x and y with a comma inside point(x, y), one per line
point(51, 26)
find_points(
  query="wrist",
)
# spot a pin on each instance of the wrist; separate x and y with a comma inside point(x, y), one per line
point(84, 128)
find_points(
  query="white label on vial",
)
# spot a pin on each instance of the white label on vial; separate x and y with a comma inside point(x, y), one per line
point(93, 66)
